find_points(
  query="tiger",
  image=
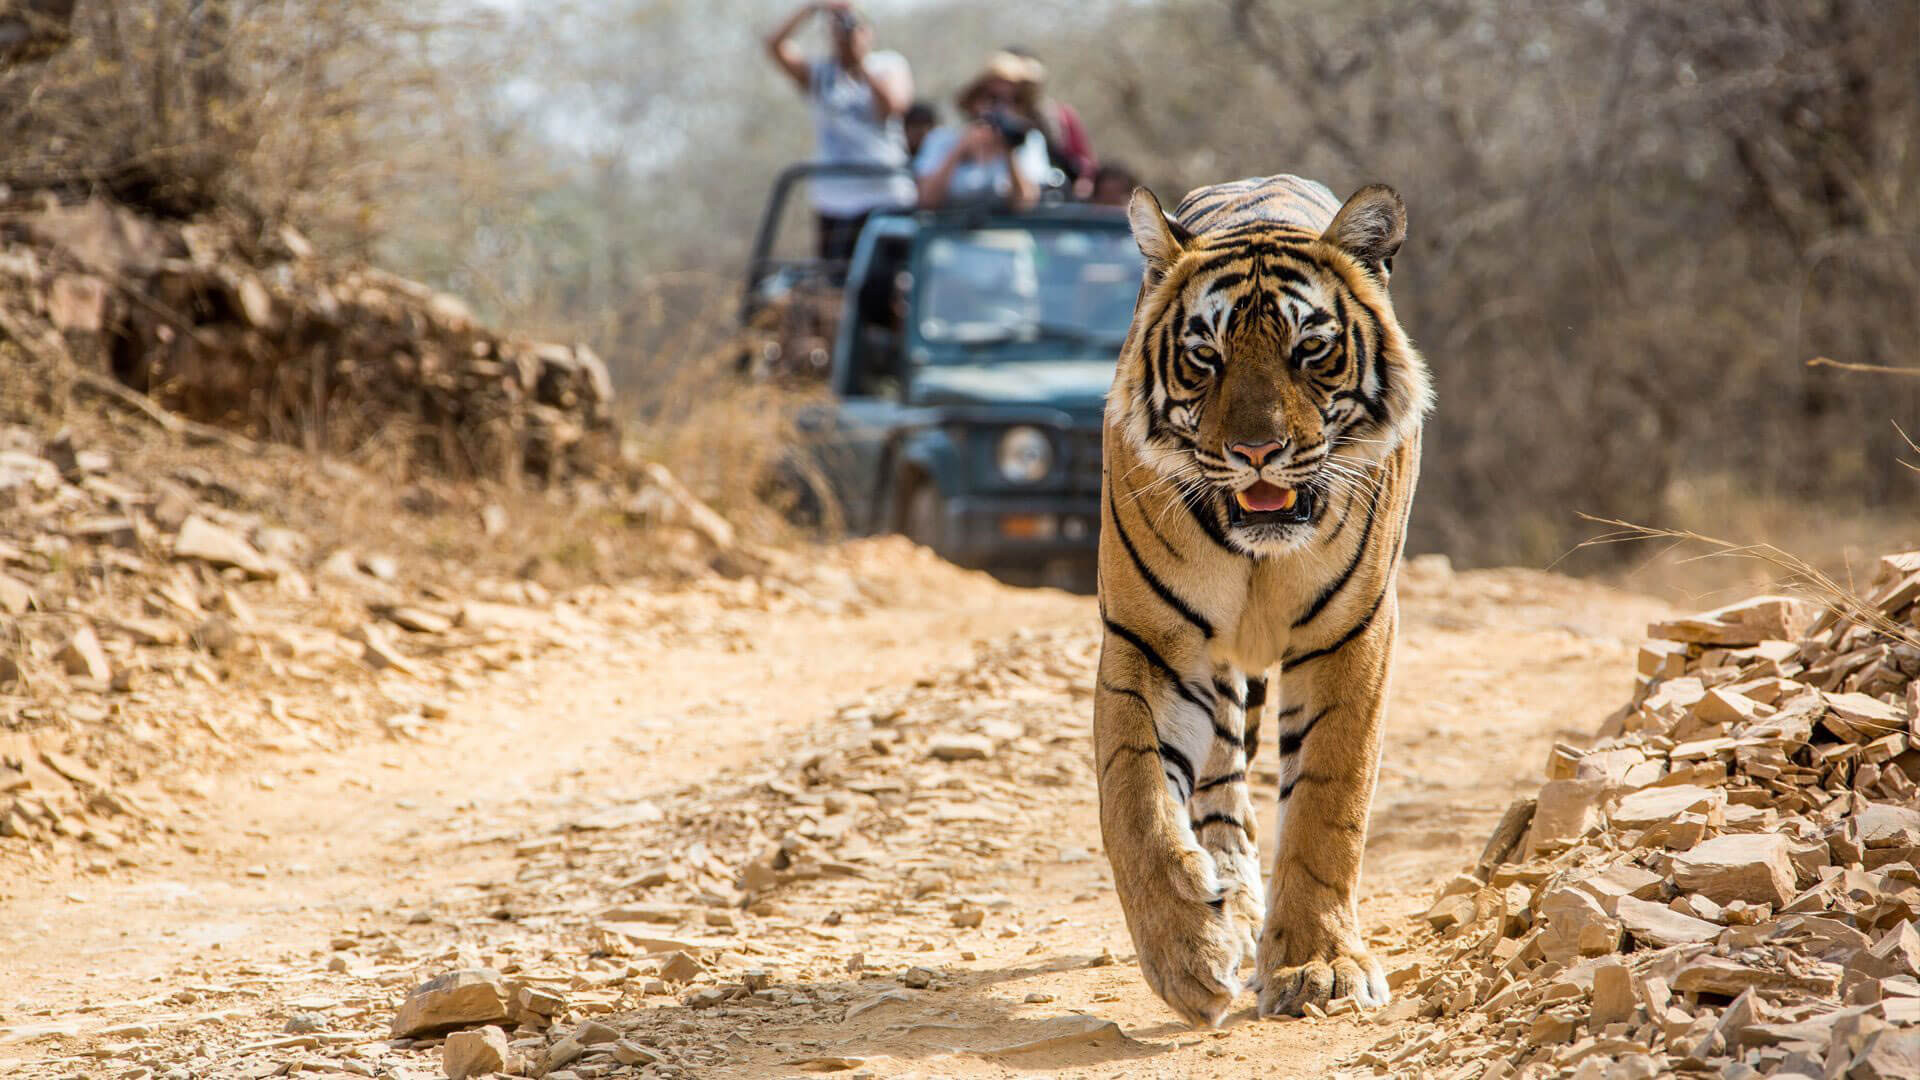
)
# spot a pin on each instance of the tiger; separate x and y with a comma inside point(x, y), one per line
point(1260, 443)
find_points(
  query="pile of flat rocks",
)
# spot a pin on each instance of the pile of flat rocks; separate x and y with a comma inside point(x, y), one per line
point(1724, 884)
point(260, 334)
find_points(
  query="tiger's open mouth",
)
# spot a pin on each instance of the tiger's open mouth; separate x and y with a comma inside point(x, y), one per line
point(1262, 503)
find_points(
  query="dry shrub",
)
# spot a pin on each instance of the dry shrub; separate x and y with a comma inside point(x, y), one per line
point(282, 109)
point(1631, 225)
point(1631, 222)
point(733, 440)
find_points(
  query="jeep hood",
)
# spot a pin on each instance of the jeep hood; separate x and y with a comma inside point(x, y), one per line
point(1077, 386)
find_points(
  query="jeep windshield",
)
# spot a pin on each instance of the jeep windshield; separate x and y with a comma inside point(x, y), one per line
point(1009, 289)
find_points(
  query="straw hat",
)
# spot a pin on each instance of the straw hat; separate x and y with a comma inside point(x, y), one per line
point(1004, 66)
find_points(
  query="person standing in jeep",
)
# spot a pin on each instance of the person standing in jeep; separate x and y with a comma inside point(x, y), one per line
point(857, 97)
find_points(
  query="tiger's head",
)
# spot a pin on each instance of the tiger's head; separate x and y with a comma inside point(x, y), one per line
point(1265, 375)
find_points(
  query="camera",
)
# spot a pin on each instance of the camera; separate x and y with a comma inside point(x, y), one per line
point(1012, 128)
point(846, 22)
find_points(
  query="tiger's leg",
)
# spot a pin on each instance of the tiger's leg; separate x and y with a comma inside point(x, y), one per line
point(1221, 809)
point(1257, 708)
point(1329, 734)
point(1148, 749)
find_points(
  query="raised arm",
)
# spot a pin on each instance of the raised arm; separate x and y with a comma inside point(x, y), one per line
point(781, 47)
point(892, 84)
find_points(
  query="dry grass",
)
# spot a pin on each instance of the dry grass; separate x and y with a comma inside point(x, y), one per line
point(1787, 571)
point(685, 404)
point(1838, 539)
point(1877, 369)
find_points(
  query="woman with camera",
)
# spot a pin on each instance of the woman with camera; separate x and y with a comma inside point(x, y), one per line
point(996, 157)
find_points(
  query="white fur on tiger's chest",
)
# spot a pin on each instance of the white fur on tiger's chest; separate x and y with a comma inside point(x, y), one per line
point(1258, 637)
point(1266, 616)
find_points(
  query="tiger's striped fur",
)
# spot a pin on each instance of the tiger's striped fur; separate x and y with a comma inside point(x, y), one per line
point(1263, 319)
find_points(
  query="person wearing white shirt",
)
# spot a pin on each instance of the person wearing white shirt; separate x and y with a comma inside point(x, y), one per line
point(857, 97)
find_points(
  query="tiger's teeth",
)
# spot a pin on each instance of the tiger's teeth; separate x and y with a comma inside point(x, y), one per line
point(1241, 498)
point(1287, 500)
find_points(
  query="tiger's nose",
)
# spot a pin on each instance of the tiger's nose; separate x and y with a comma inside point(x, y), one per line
point(1255, 453)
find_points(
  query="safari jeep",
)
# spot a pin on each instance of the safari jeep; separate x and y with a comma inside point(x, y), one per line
point(969, 370)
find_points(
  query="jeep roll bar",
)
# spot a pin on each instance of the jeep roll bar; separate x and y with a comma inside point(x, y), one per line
point(761, 263)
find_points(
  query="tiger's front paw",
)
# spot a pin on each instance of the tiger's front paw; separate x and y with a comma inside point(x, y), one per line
point(1241, 903)
point(1327, 975)
point(1190, 942)
point(1192, 960)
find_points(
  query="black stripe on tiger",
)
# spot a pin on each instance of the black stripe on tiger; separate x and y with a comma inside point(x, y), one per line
point(1225, 689)
point(1141, 700)
point(1377, 401)
point(1153, 529)
point(1202, 514)
point(1137, 696)
point(1203, 206)
point(1171, 755)
point(1219, 819)
point(1334, 587)
point(1290, 742)
point(1173, 600)
point(1160, 664)
point(1304, 778)
point(1118, 750)
point(1254, 236)
point(1345, 639)
point(1219, 781)
point(1227, 735)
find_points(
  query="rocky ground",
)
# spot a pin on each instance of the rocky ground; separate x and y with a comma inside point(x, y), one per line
point(304, 772)
point(336, 765)
point(164, 615)
point(838, 820)
point(1723, 885)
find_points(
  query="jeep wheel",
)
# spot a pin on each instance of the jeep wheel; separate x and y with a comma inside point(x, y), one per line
point(926, 516)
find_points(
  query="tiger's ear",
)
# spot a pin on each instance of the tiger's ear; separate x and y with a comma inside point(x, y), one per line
point(1162, 240)
point(1370, 227)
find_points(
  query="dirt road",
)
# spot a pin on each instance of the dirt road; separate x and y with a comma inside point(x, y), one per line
point(868, 825)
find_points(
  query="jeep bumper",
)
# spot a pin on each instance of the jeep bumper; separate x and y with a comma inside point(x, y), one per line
point(1019, 532)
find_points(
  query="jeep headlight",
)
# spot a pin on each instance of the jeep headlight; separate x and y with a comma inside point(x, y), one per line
point(1025, 454)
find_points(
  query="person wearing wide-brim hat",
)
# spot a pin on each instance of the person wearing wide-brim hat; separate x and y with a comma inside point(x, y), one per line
point(995, 157)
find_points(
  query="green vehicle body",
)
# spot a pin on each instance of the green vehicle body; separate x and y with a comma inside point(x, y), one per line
point(956, 329)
